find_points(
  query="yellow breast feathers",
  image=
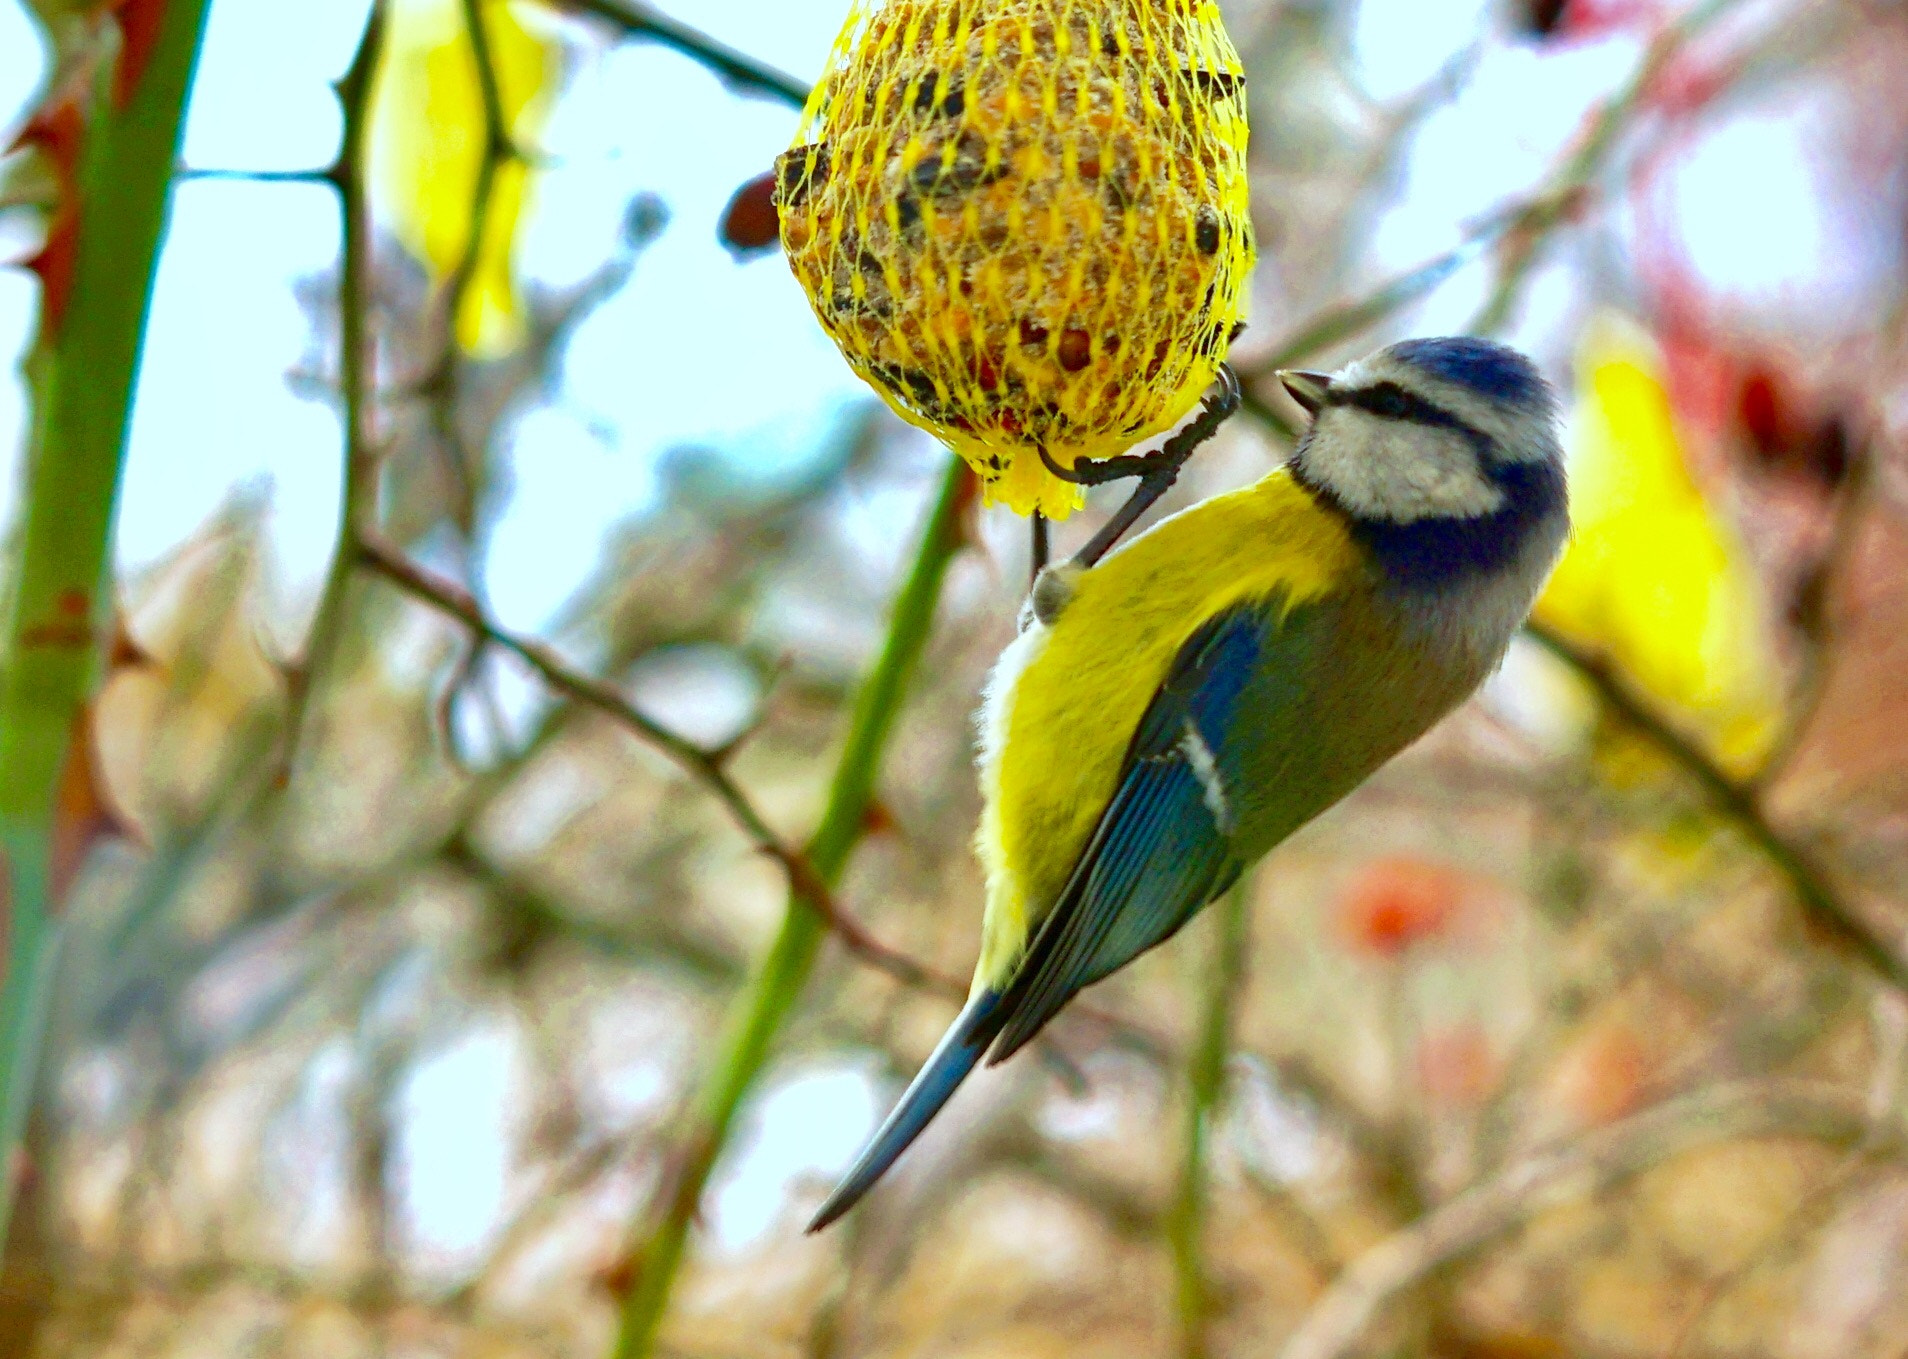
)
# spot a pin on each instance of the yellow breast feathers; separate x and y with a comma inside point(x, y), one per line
point(1064, 700)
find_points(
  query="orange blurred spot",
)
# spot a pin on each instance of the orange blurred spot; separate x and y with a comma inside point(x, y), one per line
point(1395, 904)
point(1604, 1076)
point(1457, 1066)
point(1571, 20)
point(618, 1277)
point(1783, 434)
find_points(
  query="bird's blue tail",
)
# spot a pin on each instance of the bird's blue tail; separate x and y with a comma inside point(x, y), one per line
point(959, 1049)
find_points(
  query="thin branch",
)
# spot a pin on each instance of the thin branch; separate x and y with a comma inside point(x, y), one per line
point(1343, 320)
point(1596, 1162)
point(1304, 1231)
point(440, 381)
point(737, 68)
point(497, 139)
point(359, 500)
point(707, 767)
point(500, 149)
point(1737, 803)
point(321, 176)
point(1792, 1234)
point(1128, 1209)
point(703, 765)
point(530, 905)
point(1524, 223)
point(1827, 578)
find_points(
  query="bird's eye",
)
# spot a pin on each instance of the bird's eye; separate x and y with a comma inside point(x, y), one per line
point(1386, 401)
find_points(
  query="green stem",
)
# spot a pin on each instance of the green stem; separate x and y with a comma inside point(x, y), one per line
point(1205, 1080)
point(83, 369)
point(765, 1006)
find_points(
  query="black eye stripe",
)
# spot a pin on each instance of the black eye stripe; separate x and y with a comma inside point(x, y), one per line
point(1389, 401)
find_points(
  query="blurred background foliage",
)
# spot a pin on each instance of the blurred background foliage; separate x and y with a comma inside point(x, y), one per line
point(432, 973)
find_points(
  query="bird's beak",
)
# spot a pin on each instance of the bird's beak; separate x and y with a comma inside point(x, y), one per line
point(1308, 389)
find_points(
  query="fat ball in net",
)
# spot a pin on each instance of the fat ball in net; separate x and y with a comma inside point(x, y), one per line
point(1025, 221)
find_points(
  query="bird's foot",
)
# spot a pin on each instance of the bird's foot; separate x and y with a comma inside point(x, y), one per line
point(1156, 471)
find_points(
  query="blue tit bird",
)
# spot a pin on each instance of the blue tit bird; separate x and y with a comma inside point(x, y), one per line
point(1172, 712)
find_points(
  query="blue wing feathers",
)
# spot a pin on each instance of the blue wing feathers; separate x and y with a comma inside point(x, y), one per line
point(1161, 850)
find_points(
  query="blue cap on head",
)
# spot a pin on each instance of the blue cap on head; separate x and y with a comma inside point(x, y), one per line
point(1491, 370)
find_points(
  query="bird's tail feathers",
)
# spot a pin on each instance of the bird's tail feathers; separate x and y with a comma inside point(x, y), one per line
point(953, 1057)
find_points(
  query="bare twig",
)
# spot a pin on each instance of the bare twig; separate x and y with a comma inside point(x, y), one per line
point(443, 378)
point(1563, 194)
point(500, 149)
point(1524, 224)
point(1792, 1233)
point(1300, 1226)
point(738, 69)
point(1737, 802)
point(530, 905)
point(1824, 1113)
point(188, 172)
point(1827, 576)
point(704, 766)
point(707, 767)
point(1344, 320)
point(359, 500)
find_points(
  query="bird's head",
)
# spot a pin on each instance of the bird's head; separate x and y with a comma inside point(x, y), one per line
point(1442, 452)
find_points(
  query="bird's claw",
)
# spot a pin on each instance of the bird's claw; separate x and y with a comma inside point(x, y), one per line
point(1156, 470)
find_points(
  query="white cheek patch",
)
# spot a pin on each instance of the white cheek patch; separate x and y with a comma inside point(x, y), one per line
point(1397, 470)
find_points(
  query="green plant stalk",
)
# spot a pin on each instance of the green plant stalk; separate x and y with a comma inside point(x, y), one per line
point(82, 372)
point(1205, 1081)
point(765, 1006)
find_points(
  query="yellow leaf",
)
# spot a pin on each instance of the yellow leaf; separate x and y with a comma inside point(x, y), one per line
point(1654, 578)
point(428, 152)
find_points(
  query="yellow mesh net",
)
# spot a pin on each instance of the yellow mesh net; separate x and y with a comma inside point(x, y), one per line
point(1024, 221)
